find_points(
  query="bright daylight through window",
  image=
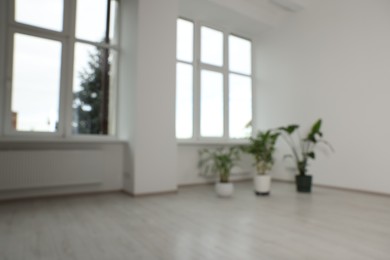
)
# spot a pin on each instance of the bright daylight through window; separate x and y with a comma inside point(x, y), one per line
point(64, 57)
point(213, 84)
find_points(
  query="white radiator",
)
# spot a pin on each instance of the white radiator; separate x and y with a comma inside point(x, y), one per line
point(50, 168)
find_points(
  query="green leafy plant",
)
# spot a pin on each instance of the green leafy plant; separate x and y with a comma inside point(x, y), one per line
point(262, 147)
point(303, 149)
point(218, 162)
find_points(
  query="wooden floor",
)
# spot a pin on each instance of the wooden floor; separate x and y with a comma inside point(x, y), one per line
point(195, 224)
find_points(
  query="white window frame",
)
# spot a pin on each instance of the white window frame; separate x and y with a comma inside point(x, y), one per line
point(68, 39)
point(198, 66)
point(3, 61)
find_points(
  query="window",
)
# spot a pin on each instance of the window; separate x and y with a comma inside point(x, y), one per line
point(63, 67)
point(184, 79)
point(36, 83)
point(213, 83)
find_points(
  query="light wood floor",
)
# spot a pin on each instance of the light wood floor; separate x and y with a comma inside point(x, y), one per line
point(195, 224)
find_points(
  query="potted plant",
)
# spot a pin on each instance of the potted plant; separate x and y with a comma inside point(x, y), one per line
point(262, 147)
point(218, 163)
point(303, 149)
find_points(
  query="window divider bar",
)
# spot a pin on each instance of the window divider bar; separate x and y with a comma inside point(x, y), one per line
point(254, 90)
point(97, 44)
point(11, 8)
point(9, 78)
point(4, 79)
point(108, 14)
point(185, 62)
point(211, 67)
point(196, 83)
point(63, 83)
point(225, 69)
point(67, 96)
point(37, 32)
point(66, 18)
point(240, 74)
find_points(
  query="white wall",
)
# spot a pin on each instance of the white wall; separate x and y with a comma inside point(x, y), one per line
point(332, 61)
point(151, 98)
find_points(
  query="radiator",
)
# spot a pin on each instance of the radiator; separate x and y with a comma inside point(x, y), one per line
point(50, 168)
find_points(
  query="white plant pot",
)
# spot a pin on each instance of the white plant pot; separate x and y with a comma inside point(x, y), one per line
point(224, 189)
point(262, 184)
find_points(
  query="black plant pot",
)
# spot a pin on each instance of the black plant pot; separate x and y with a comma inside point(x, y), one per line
point(303, 183)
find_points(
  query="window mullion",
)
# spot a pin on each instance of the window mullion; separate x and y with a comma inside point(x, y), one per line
point(37, 32)
point(63, 83)
point(108, 14)
point(211, 67)
point(3, 62)
point(254, 91)
point(67, 96)
point(240, 74)
point(9, 71)
point(67, 16)
point(226, 85)
point(98, 44)
point(8, 91)
point(185, 62)
point(196, 86)
point(11, 14)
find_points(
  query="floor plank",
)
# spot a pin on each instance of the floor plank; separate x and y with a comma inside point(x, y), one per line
point(195, 224)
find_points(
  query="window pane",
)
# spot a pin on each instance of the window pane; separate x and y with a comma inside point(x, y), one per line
point(211, 46)
point(47, 14)
point(240, 55)
point(211, 110)
point(185, 40)
point(240, 106)
point(184, 101)
point(36, 83)
point(93, 90)
point(91, 19)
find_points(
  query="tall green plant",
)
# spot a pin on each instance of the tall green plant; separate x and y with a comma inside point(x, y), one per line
point(262, 147)
point(303, 149)
point(218, 162)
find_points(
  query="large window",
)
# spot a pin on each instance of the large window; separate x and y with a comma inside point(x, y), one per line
point(62, 67)
point(213, 84)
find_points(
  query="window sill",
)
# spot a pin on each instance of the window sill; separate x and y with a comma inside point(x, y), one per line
point(212, 142)
point(59, 140)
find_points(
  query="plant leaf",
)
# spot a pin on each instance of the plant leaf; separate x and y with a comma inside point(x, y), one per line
point(311, 155)
point(289, 129)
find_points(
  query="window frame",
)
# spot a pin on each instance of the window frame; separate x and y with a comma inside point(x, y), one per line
point(198, 66)
point(68, 39)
